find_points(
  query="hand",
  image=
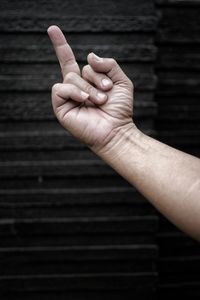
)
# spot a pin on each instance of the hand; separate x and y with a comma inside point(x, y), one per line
point(93, 120)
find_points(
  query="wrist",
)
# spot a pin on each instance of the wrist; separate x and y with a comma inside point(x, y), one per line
point(118, 143)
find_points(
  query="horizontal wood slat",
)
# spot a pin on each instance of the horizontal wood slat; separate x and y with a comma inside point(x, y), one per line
point(54, 168)
point(77, 225)
point(38, 107)
point(51, 139)
point(35, 53)
point(180, 3)
point(126, 258)
point(83, 281)
point(140, 293)
point(110, 23)
point(77, 8)
point(81, 253)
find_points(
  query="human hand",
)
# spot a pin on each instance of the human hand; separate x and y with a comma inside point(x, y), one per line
point(93, 120)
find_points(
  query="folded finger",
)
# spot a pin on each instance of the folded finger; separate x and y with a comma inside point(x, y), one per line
point(110, 67)
point(62, 92)
point(96, 96)
point(100, 80)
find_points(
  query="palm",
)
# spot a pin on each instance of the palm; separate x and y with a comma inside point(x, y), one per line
point(91, 123)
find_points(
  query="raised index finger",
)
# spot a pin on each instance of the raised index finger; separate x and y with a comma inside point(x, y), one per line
point(63, 50)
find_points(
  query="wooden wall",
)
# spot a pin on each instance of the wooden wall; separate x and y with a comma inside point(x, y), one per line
point(70, 227)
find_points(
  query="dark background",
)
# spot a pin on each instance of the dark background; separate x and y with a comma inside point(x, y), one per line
point(70, 227)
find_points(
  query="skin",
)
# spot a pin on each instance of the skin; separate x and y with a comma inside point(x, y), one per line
point(168, 178)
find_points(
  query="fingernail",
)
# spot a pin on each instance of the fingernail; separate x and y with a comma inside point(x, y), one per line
point(97, 58)
point(106, 82)
point(101, 96)
point(84, 95)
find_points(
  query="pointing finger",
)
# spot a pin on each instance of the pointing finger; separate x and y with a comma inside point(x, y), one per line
point(63, 50)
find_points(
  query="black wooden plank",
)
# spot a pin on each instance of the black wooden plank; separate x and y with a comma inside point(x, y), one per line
point(181, 138)
point(149, 293)
point(54, 168)
point(181, 289)
point(180, 268)
point(97, 24)
point(82, 154)
point(52, 70)
point(75, 39)
point(103, 23)
point(70, 195)
point(42, 139)
point(73, 281)
point(41, 83)
point(186, 112)
point(170, 57)
point(31, 209)
point(81, 239)
point(181, 244)
point(80, 253)
point(37, 53)
point(176, 33)
point(62, 211)
point(50, 267)
point(95, 182)
point(64, 226)
point(37, 106)
point(76, 8)
point(90, 259)
point(178, 3)
point(179, 83)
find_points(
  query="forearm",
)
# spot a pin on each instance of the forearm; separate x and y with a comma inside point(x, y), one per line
point(168, 178)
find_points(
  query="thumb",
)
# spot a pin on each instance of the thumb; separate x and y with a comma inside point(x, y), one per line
point(108, 66)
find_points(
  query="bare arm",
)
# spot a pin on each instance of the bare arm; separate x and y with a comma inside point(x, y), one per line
point(168, 178)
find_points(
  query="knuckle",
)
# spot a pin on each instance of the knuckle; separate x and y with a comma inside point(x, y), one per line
point(113, 62)
point(70, 88)
point(131, 84)
point(69, 77)
point(85, 70)
point(90, 89)
point(55, 88)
